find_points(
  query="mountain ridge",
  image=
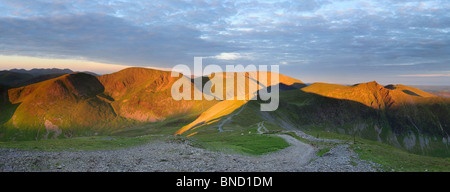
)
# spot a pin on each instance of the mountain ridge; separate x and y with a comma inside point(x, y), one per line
point(23, 77)
point(79, 104)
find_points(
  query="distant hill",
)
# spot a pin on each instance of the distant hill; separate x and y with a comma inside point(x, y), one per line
point(22, 77)
point(38, 72)
point(442, 91)
point(9, 78)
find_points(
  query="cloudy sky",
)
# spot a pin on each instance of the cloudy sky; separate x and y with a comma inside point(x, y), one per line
point(334, 41)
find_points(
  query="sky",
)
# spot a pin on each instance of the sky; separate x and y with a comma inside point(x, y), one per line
point(346, 42)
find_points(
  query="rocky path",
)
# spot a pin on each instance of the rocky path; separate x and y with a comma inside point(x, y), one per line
point(228, 119)
point(167, 155)
point(261, 127)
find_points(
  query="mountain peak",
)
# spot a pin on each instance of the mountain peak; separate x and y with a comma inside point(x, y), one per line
point(375, 83)
point(139, 70)
point(370, 94)
point(371, 84)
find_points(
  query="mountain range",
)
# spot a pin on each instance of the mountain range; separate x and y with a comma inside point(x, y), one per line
point(77, 104)
point(22, 77)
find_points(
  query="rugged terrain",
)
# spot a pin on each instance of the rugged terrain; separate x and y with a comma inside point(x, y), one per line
point(177, 155)
point(137, 102)
point(80, 104)
point(402, 116)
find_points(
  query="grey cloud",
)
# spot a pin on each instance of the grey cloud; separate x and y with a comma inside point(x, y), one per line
point(101, 37)
point(309, 35)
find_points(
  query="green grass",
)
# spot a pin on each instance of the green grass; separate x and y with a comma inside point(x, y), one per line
point(132, 135)
point(241, 142)
point(391, 158)
point(167, 127)
point(394, 159)
point(80, 143)
point(322, 151)
point(240, 134)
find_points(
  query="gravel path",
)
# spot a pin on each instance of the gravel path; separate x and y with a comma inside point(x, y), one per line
point(228, 119)
point(173, 156)
point(261, 127)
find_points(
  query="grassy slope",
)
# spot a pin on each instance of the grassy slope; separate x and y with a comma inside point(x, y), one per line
point(145, 95)
point(241, 142)
point(132, 135)
point(391, 158)
point(81, 105)
point(68, 104)
point(410, 90)
point(310, 111)
point(240, 134)
point(394, 125)
point(243, 139)
point(80, 143)
point(218, 111)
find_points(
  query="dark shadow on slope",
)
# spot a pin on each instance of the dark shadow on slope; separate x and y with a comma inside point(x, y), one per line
point(204, 80)
point(301, 110)
point(284, 87)
point(392, 87)
point(206, 90)
point(9, 78)
point(38, 79)
point(411, 93)
point(7, 109)
point(85, 85)
point(20, 78)
point(86, 88)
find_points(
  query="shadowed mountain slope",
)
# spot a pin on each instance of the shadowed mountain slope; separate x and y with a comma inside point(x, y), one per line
point(238, 93)
point(22, 77)
point(9, 78)
point(416, 123)
point(65, 103)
